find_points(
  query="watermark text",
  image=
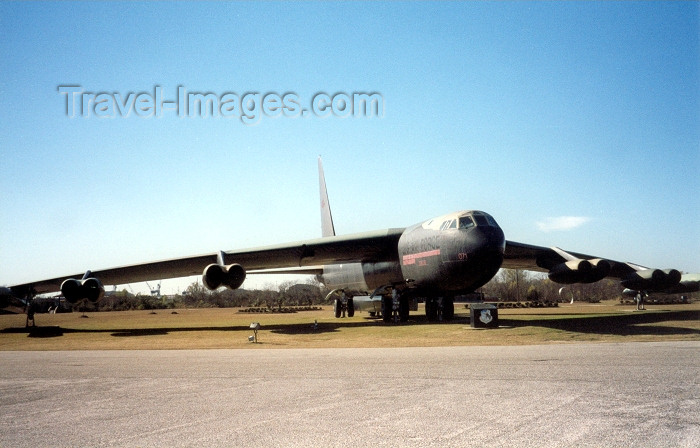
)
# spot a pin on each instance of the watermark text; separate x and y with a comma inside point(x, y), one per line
point(249, 107)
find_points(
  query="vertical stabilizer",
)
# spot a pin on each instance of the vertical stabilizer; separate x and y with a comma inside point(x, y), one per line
point(327, 228)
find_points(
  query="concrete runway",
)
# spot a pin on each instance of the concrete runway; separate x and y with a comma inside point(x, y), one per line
point(635, 394)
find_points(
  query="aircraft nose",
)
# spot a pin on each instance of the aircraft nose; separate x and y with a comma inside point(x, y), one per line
point(476, 258)
point(485, 255)
point(488, 239)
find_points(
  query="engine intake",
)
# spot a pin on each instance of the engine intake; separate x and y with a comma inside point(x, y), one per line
point(231, 276)
point(75, 290)
point(652, 279)
point(580, 271)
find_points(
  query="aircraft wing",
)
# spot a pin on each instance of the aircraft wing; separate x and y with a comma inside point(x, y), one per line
point(368, 246)
point(544, 259)
point(571, 267)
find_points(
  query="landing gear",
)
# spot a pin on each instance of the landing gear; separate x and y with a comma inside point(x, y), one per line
point(387, 309)
point(395, 308)
point(337, 308)
point(439, 308)
point(30, 316)
point(448, 308)
point(343, 305)
point(31, 309)
point(404, 309)
point(431, 308)
point(639, 298)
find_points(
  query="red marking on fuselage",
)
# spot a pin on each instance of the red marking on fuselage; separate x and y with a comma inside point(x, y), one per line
point(411, 258)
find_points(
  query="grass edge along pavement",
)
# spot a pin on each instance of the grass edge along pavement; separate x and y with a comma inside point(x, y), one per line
point(226, 328)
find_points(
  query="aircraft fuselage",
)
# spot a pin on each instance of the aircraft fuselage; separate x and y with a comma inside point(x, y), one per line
point(452, 254)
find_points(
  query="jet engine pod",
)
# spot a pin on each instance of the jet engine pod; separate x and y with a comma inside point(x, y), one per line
point(570, 272)
point(599, 270)
point(90, 288)
point(93, 289)
point(71, 290)
point(652, 279)
point(580, 271)
point(231, 276)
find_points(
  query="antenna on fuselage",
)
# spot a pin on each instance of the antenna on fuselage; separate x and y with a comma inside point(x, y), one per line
point(327, 228)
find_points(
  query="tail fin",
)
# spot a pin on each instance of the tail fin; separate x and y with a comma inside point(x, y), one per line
point(327, 228)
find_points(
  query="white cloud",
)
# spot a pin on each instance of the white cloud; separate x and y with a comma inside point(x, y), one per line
point(561, 223)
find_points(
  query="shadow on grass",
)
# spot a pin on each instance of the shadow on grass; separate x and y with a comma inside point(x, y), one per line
point(632, 324)
point(55, 331)
point(291, 329)
point(642, 323)
point(324, 327)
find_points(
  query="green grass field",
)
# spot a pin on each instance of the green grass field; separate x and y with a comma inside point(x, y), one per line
point(227, 328)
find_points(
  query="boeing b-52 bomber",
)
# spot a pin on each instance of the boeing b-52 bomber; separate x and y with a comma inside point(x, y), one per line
point(436, 260)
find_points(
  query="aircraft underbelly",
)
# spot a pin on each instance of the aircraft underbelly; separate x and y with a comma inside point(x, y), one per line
point(366, 276)
point(346, 276)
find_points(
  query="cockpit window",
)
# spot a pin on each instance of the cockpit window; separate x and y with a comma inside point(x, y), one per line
point(491, 221)
point(451, 224)
point(481, 220)
point(465, 222)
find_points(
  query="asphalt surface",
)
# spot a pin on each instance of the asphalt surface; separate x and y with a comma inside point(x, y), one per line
point(635, 394)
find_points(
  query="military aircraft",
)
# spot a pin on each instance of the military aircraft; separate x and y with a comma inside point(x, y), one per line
point(436, 260)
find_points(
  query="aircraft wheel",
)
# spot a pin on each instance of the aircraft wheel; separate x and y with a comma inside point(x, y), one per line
point(448, 308)
point(431, 309)
point(387, 309)
point(351, 307)
point(404, 309)
point(338, 308)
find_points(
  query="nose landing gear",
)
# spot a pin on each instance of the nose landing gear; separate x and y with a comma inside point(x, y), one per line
point(395, 307)
point(439, 308)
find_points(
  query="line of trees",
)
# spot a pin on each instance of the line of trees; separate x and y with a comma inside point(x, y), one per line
point(513, 285)
point(508, 286)
point(197, 296)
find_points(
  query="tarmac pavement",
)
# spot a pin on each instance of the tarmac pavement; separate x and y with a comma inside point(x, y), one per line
point(582, 395)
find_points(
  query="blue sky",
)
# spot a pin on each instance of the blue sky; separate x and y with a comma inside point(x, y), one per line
point(574, 124)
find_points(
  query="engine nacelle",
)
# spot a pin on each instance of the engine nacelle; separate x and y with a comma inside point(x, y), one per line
point(75, 290)
point(580, 271)
point(652, 279)
point(231, 276)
